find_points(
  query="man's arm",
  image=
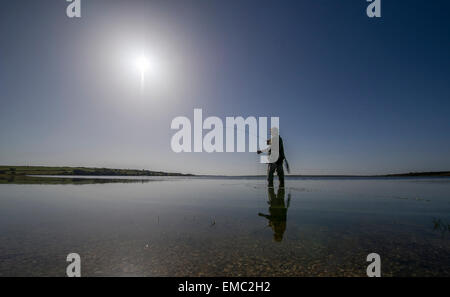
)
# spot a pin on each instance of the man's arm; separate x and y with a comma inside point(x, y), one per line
point(267, 149)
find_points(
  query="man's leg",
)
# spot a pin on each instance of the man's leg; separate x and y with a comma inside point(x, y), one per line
point(280, 173)
point(270, 171)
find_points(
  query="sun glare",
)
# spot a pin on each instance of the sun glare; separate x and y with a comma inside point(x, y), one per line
point(142, 63)
point(144, 66)
point(149, 68)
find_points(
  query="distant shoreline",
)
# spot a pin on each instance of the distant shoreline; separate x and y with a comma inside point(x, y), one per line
point(8, 171)
point(81, 171)
point(410, 174)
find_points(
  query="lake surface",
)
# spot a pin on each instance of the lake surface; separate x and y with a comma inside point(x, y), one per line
point(227, 227)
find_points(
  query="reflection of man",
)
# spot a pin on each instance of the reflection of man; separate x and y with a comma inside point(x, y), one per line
point(275, 165)
point(277, 212)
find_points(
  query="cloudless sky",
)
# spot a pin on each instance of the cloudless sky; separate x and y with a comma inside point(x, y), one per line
point(354, 95)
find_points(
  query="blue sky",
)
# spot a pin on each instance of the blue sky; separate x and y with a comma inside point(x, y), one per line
point(354, 95)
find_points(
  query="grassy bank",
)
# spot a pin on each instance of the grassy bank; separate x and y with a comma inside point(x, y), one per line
point(43, 170)
point(21, 174)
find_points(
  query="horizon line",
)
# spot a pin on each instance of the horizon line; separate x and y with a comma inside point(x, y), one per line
point(411, 173)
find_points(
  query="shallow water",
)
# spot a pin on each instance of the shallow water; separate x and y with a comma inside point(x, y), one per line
point(227, 227)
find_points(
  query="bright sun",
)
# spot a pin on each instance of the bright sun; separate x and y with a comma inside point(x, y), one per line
point(149, 67)
point(144, 66)
point(142, 63)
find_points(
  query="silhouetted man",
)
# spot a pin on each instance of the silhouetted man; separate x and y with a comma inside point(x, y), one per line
point(277, 212)
point(278, 164)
